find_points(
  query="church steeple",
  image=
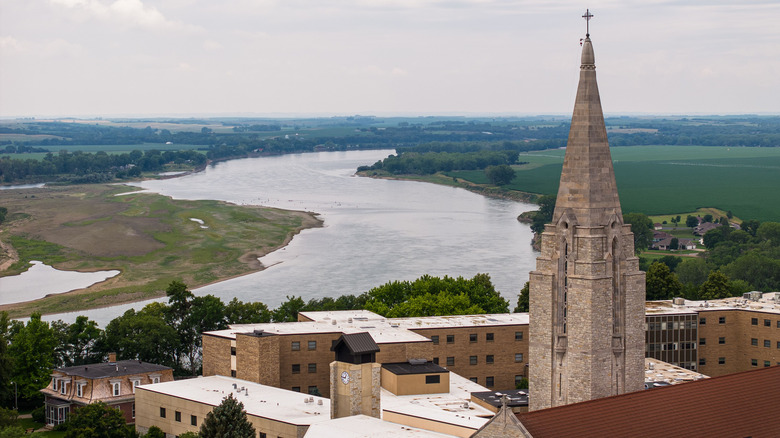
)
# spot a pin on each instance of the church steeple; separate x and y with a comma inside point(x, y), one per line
point(587, 292)
point(587, 189)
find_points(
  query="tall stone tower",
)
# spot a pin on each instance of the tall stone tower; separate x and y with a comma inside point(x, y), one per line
point(587, 293)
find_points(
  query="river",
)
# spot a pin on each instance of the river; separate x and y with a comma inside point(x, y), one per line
point(374, 231)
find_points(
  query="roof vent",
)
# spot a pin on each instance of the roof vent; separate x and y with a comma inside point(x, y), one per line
point(349, 320)
point(417, 361)
point(319, 402)
point(333, 322)
point(259, 332)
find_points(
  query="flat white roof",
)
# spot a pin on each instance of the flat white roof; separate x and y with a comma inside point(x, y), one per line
point(660, 371)
point(360, 426)
point(768, 303)
point(454, 407)
point(259, 400)
point(383, 330)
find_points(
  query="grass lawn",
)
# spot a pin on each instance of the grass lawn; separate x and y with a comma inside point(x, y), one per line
point(664, 180)
point(150, 238)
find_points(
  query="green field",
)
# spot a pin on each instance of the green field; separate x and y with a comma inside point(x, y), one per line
point(670, 179)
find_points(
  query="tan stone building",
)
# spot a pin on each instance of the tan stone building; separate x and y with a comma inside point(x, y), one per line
point(491, 350)
point(114, 383)
point(587, 293)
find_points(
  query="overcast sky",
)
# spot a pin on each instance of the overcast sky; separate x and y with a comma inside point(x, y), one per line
point(383, 57)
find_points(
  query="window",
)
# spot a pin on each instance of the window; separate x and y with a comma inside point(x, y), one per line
point(312, 345)
point(474, 379)
point(489, 381)
point(472, 360)
point(162, 412)
point(295, 345)
point(429, 380)
point(54, 383)
point(232, 351)
point(63, 387)
point(313, 390)
point(753, 321)
point(489, 358)
point(296, 368)
point(263, 435)
point(435, 339)
point(702, 321)
point(80, 390)
point(754, 342)
point(722, 320)
point(472, 337)
point(177, 416)
point(155, 379)
point(778, 345)
point(193, 420)
point(518, 357)
point(450, 361)
point(518, 336)
point(721, 340)
point(702, 341)
point(312, 368)
point(721, 360)
point(133, 410)
point(778, 323)
point(450, 339)
point(767, 343)
point(296, 388)
point(767, 323)
point(767, 363)
point(489, 337)
point(232, 373)
point(753, 362)
point(436, 360)
point(116, 388)
point(702, 361)
point(135, 383)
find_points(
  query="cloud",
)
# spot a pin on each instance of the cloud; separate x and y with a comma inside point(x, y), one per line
point(211, 45)
point(132, 13)
point(9, 44)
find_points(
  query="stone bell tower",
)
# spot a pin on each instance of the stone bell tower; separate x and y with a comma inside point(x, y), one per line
point(587, 293)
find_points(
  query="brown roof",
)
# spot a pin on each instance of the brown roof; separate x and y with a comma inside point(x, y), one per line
point(744, 404)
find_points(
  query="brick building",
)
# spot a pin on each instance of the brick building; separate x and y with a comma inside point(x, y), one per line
point(491, 350)
point(113, 383)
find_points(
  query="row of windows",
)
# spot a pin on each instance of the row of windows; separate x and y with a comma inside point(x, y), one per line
point(296, 345)
point(473, 360)
point(296, 368)
point(721, 320)
point(313, 390)
point(176, 416)
point(767, 343)
point(116, 387)
point(473, 337)
point(767, 322)
point(671, 346)
point(767, 363)
point(671, 325)
point(490, 380)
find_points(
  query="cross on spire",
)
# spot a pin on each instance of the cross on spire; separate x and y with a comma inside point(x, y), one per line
point(587, 18)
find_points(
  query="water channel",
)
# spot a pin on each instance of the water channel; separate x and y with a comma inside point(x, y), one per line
point(375, 230)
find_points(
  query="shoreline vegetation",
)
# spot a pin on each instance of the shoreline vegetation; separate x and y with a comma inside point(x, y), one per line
point(153, 241)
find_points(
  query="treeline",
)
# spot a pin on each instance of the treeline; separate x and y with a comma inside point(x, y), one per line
point(170, 333)
point(80, 167)
point(736, 261)
point(426, 163)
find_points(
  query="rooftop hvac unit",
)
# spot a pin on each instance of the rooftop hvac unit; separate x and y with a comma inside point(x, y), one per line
point(259, 332)
point(319, 402)
point(752, 296)
point(679, 301)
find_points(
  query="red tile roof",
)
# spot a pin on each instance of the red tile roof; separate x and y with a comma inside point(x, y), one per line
point(743, 404)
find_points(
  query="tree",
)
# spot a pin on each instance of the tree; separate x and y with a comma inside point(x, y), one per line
point(500, 175)
point(81, 342)
point(3, 213)
point(770, 232)
point(662, 283)
point(707, 218)
point(6, 363)
point(142, 335)
point(97, 420)
point(716, 287)
point(32, 350)
point(642, 227)
point(238, 312)
point(670, 261)
point(155, 432)
point(674, 244)
point(523, 303)
point(545, 213)
point(288, 310)
point(228, 420)
point(691, 221)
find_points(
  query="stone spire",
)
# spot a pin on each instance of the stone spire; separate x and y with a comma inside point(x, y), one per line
point(587, 292)
point(587, 190)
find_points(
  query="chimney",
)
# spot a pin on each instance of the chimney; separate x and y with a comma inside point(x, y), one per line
point(111, 357)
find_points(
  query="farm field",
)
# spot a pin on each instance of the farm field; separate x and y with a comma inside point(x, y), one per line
point(659, 180)
point(150, 238)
